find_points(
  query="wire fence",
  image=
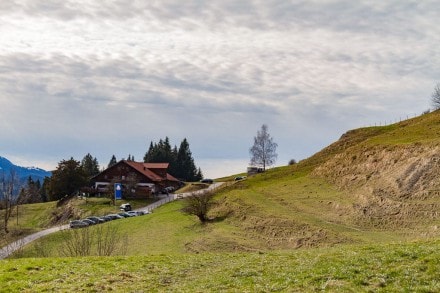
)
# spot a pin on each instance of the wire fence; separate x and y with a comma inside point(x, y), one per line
point(167, 199)
point(396, 120)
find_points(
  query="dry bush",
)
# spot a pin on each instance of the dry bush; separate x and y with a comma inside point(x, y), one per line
point(106, 239)
point(198, 204)
point(76, 242)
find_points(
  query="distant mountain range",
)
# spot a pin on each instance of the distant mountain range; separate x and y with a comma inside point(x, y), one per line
point(22, 172)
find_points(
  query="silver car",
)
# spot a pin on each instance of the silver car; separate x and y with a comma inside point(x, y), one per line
point(78, 224)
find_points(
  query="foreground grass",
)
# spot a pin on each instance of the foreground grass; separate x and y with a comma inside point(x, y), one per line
point(393, 267)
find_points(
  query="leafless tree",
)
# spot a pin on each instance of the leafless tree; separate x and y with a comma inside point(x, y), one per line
point(435, 97)
point(109, 240)
point(7, 200)
point(76, 242)
point(81, 242)
point(198, 204)
point(263, 152)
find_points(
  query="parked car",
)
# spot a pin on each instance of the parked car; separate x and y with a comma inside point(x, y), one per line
point(97, 220)
point(125, 207)
point(89, 222)
point(238, 178)
point(208, 181)
point(78, 224)
point(125, 214)
point(107, 218)
point(114, 216)
point(167, 190)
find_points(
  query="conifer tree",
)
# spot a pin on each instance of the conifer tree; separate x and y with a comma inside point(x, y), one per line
point(181, 162)
point(199, 175)
point(112, 161)
point(149, 153)
point(30, 193)
point(186, 168)
point(90, 165)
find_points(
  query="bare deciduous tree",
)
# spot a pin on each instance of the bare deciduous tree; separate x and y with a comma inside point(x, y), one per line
point(7, 200)
point(81, 242)
point(198, 204)
point(76, 242)
point(108, 240)
point(435, 97)
point(263, 152)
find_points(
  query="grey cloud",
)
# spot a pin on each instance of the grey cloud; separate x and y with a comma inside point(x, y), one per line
point(271, 14)
point(122, 82)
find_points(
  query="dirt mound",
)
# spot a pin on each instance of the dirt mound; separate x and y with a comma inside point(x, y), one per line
point(279, 233)
point(263, 232)
point(63, 213)
point(393, 186)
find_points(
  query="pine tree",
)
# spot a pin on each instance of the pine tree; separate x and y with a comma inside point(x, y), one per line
point(186, 168)
point(112, 161)
point(149, 153)
point(45, 189)
point(181, 162)
point(29, 193)
point(160, 153)
point(172, 169)
point(199, 175)
point(90, 165)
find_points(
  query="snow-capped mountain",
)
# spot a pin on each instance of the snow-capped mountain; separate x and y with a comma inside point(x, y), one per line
point(22, 172)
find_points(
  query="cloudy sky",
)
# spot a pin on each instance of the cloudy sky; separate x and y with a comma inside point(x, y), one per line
point(108, 77)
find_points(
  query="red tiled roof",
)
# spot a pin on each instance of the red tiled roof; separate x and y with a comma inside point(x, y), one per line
point(172, 178)
point(146, 169)
point(141, 168)
point(156, 165)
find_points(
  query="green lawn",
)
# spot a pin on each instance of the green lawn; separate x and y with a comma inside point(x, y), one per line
point(411, 267)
